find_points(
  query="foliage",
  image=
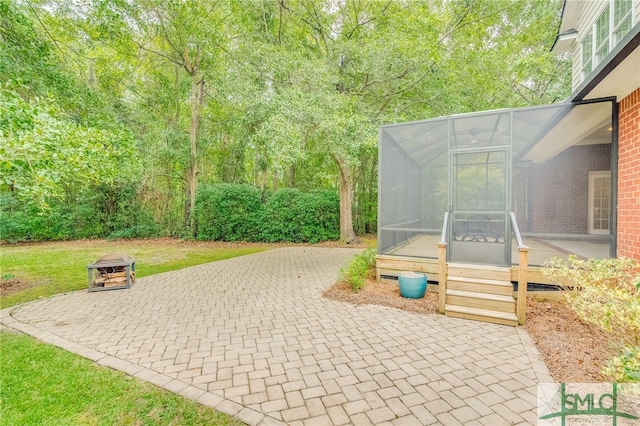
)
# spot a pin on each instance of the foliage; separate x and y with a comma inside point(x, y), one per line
point(42, 384)
point(42, 152)
point(177, 94)
point(361, 267)
point(228, 212)
point(236, 212)
point(625, 368)
point(292, 215)
point(105, 210)
point(605, 292)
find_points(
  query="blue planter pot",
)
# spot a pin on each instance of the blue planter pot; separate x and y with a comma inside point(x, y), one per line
point(413, 285)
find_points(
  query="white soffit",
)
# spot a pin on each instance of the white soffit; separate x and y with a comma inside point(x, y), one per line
point(620, 82)
point(576, 128)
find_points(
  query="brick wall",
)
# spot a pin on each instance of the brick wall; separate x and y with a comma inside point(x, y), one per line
point(629, 176)
point(559, 190)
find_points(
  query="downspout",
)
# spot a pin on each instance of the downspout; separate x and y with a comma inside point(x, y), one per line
point(613, 248)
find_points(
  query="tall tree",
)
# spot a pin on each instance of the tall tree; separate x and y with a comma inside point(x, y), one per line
point(56, 132)
point(188, 35)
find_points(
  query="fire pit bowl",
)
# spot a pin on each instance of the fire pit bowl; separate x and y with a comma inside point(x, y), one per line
point(112, 271)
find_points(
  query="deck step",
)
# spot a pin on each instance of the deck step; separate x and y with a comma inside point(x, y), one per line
point(479, 271)
point(477, 314)
point(480, 285)
point(473, 299)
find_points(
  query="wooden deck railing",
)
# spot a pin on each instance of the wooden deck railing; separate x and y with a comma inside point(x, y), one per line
point(442, 265)
point(523, 273)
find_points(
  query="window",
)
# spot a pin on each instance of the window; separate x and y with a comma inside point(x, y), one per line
point(602, 36)
point(599, 202)
point(587, 52)
point(612, 25)
point(621, 19)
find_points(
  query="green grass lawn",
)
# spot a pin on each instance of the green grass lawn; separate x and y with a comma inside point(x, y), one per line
point(59, 267)
point(44, 385)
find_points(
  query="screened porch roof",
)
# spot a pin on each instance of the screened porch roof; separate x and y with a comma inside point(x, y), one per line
point(535, 134)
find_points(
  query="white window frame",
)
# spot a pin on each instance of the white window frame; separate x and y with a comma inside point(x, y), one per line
point(597, 52)
point(592, 177)
point(616, 26)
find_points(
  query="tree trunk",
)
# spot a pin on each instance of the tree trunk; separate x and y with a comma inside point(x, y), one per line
point(197, 94)
point(347, 235)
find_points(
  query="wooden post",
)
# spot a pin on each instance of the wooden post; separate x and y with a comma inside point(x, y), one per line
point(523, 278)
point(442, 276)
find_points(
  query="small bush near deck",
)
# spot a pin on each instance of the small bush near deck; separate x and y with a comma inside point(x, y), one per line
point(355, 274)
point(625, 368)
point(606, 292)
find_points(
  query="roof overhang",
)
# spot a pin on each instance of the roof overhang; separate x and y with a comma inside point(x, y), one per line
point(570, 14)
point(567, 32)
point(584, 125)
point(618, 75)
point(564, 42)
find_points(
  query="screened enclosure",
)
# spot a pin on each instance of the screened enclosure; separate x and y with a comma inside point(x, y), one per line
point(546, 168)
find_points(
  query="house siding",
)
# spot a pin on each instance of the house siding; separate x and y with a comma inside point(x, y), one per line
point(565, 210)
point(629, 177)
point(590, 12)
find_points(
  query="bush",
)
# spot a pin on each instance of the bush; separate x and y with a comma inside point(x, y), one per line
point(606, 292)
point(17, 220)
point(625, 368)
point(228, 212)
point(292, 215)
point(361, 267)
point(114, 210)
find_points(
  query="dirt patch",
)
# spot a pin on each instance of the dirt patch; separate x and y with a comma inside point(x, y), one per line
point(13, 285)
point(574, 351)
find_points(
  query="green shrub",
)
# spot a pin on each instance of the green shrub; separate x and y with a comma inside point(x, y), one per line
point(625, 368)
point(114, 210)
point(606, 292)
point(228, 212)
point(361, 267)
point(292, 215)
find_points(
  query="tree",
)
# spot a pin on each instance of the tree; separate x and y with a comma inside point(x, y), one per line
point(42, 152)
point(281, 92)
point(188, 36)
point(56, 133)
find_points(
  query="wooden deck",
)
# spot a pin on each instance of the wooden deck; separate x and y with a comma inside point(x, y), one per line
point(421, 254)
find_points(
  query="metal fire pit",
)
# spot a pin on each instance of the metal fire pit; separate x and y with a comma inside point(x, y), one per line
point(111, 272)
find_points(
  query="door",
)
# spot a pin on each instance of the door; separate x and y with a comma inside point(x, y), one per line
point(478, 204)
point(599, 202)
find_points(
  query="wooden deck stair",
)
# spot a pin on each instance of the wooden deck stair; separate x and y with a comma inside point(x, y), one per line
point(482, 293)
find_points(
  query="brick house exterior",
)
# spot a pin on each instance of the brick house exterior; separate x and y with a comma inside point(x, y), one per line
point(629, 176)
point(603, 39)
point(567, 206)
point(564, 178)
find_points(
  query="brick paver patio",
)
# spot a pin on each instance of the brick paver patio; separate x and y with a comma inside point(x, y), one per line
point(254, 338)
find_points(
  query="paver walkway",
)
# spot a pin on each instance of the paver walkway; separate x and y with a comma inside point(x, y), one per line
point(253, 337)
